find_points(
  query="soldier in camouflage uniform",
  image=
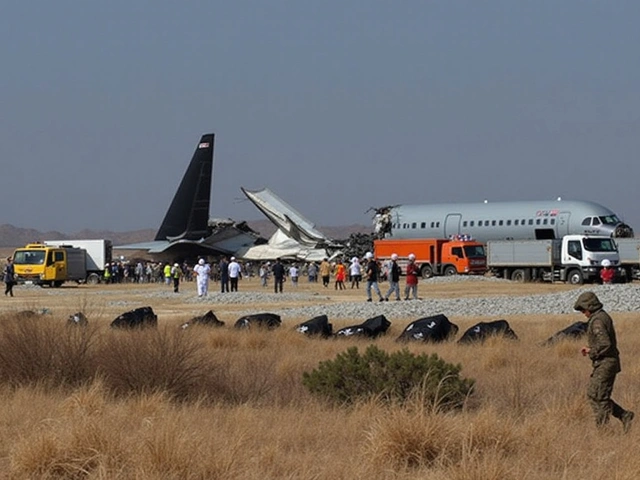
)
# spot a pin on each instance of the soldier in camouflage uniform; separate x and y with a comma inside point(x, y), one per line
point(603, 352)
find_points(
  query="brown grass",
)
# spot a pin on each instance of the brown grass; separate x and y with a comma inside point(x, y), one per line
point(219, 403)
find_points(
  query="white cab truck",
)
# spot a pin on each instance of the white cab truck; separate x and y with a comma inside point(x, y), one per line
point(629, 250)
point(574, 259)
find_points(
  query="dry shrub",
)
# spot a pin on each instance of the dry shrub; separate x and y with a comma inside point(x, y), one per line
point(156, 360)
point(489, 432)
point(481, 467)
point(249, 376)
point(40, 350)
point(410, 439)
point(70, 448)
point(466, 446)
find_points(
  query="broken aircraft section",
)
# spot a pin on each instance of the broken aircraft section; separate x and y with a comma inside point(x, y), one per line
point(188, 232)
point(295, 238)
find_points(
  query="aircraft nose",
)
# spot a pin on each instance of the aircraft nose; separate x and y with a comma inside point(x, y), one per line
point(623, 230)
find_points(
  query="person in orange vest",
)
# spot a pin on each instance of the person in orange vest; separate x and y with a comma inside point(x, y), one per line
point(341, 273)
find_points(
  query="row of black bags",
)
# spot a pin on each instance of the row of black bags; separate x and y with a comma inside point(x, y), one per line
point(436, 328)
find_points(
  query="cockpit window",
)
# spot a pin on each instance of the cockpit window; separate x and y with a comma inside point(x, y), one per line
point(596, 221)
point(609, 220)
point(586, 222)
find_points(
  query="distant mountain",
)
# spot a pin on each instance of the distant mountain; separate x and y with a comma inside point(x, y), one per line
point(11, 236)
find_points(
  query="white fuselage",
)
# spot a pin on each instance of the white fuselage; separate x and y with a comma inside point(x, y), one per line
point(523, 220)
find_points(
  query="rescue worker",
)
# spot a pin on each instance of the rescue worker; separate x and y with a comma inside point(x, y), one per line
point(607, 273)
point(107, 273)
point(603, 352)
point(411, 286)
point(372, 271)
point(202, 271)
point(355, 272)
point(325, 272)
point(167, 274)
point(341, 273)
point(278, 276)
point(235, 273)
point(223, 266)
point(9, 277)
point(176, 272)
point(394, 278)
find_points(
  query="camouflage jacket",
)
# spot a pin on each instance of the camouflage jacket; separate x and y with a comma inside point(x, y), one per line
point(601, 337)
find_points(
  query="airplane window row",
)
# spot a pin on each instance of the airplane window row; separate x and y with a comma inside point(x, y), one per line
point(508, 223)
point(484, 223)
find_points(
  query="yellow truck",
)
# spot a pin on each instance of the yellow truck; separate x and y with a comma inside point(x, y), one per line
point(55, 262)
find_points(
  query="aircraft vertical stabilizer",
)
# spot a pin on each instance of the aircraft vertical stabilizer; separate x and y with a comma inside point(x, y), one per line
point(188, 214)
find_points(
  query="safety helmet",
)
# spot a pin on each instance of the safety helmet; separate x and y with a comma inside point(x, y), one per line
point(201, 261)
point(606, 262)
point(394, 256)
point(412, 256)
point(368, 255)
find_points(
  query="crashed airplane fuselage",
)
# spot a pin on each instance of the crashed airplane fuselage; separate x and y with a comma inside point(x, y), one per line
point(187, 232)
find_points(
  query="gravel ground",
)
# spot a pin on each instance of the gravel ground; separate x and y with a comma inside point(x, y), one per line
point(616, 298)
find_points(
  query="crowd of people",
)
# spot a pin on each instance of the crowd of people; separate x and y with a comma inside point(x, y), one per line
point(344, 274)
point(338, 273)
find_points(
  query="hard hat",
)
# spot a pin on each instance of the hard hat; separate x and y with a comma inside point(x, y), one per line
point(176, 265)
point(394, 256)
point(233, 258)
point(412, 256)
point(368, 255)
point(606, 263)
point(201, 261)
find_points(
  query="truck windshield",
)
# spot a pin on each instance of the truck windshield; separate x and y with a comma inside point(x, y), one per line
point(474, 251)
point(28, 257)
point(599, 245)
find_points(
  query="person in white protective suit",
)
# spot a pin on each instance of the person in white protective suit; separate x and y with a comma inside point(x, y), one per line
point(202, 271)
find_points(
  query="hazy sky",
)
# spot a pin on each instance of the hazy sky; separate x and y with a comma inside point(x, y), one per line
point(336, 106)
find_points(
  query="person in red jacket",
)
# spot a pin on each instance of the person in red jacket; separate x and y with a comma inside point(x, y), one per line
point(607, 273)
point(412, 278)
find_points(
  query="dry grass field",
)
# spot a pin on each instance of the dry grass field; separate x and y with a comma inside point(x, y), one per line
point(226, 404)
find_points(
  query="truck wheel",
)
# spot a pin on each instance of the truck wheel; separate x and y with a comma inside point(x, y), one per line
point(57, 284)
point(575, 277)
point(519, 275)
point(426, 271)
point(93, 279)
point(450, 271)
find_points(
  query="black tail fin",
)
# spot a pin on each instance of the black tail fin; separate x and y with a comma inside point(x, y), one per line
point(188, 214)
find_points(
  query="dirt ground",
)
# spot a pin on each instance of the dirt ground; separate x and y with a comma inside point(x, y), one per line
point(109, 301)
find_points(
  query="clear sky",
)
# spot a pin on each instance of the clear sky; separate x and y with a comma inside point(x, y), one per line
point(337, 106)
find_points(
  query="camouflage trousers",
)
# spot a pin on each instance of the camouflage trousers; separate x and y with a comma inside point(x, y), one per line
point(599, 391)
